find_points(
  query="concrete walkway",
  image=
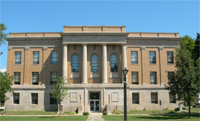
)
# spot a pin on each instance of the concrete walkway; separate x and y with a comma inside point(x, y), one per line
point(95, 117)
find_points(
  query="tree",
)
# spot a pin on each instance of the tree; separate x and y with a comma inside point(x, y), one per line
point(60, 90)
point(3, 35)
point(5, 86)
point(185, 83)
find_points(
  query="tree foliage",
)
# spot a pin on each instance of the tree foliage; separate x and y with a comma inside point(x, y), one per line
point(60, 90)
point(5, 85)
point(3, 35)
point(185, 83)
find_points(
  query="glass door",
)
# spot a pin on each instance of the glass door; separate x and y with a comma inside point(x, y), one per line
point(94, 105)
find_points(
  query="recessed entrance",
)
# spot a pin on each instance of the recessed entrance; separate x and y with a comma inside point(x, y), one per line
point(94, 102)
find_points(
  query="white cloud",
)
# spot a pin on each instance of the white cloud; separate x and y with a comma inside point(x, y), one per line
point(3, 70)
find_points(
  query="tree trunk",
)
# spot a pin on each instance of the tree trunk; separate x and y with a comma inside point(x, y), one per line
point(189, 105)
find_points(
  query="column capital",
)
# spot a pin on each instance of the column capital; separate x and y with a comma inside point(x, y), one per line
point(65, 44)
point(84, 44)
point(104, 43)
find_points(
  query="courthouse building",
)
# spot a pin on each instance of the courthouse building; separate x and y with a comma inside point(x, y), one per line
point(92, 59)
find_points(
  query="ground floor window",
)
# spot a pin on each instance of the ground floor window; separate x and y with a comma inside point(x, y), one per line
point(154, 98)
point(34, 97)
point(172, 98)
point(16, 98)
point(135, 98)
point(52, 99)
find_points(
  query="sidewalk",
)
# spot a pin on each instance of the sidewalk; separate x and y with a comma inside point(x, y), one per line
point(95, 117)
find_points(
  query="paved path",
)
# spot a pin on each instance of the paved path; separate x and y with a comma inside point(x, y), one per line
point(95, 117)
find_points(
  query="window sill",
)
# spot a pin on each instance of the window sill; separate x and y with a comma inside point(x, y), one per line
point(152, 64)
point(17, 64)
point(53, 104)
point(35, 64)
point(170, 64)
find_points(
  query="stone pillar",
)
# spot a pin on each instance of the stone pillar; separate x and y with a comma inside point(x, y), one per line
point(64, 68)
point(104, 63)
point(124, 60)
point(84, 64)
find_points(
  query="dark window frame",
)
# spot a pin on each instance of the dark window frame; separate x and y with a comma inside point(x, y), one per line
point(51, 74)
point(75, 63)
point(134, 78)
point(152, 101)
point(172, 101)
point(170, 73)
point(36, 56)
point(135, 96)
point(54, 55)
point(16, 101)
point(33, 76)
point(133, 57)
point(152, 73)
point(53, 101)
point(113, 63)
point(18, 55)
point(94, 63)
point(34, 101)
point(17, 73)
point(170, 57)
point(152, 59)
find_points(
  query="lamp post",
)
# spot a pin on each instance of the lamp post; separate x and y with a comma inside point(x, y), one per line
point(125, 71)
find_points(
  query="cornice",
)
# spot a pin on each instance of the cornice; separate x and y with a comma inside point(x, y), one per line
point(154, 38)
point(95, 34)
point(33, 38)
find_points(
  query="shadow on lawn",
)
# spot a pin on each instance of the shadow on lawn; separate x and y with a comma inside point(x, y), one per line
point(167, 117)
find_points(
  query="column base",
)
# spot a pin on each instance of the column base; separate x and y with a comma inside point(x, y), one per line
point(105, 83)
point(84, 83)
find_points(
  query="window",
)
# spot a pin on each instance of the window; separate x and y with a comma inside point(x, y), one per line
point(36, 56)
point(52, 99)
point(75, 63)
point(113, 63)
point(135, 98)
point(154, 98)
point(54, 57)
point(34, 97)
point(134, 77)
point(172, 98)
point(134, 57)
point(53, 78)
point(153, 78)
point(152, 57)
point(94, 63)
point(170, 57)
point(17, 78)
point(16, 98)
point(170, 76)
point(17, 57)
point(35, 78)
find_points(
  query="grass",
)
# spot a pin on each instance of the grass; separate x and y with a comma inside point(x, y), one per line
point(43, 118)
point(193, 110)
point(35, 113)
point(152, 118)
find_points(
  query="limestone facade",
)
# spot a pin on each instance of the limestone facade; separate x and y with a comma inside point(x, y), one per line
point(84, 41)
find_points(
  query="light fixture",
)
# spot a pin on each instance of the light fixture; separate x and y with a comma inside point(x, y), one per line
point(125, 71)
point(74, 47)
point(94, 47)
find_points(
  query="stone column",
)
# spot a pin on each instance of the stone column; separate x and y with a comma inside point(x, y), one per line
point(104, 63)
point(64, 68)
point(124, 60)
point(84, 64)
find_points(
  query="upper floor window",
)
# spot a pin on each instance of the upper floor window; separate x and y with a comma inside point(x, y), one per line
point(170, 57)
point(16, 98)
point(54, 57)
point(134, 77)
point(113, 63)
point(36, 56)
point(17, 57)
point(75, 63)
point(134, 57)
point(170, 76)
point(17, 78)
point(53, 77)
point(152, 57)
point(153, 78)
point(35, 78)
point(94, 63)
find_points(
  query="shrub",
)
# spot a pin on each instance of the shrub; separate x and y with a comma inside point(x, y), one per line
point(72, 113)
point(176, 109)
point(144, 109)
point(86, 113)
point(104, 113)
point(118, 112)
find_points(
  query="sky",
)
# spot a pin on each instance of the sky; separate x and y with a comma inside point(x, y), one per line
point(180, 16)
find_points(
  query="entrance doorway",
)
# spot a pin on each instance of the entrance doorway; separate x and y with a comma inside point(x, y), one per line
point(94, 102)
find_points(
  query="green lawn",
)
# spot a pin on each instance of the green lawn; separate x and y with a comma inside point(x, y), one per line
point(193, 110)
point(34, 113)
point(152, 118)
point(43, 118)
